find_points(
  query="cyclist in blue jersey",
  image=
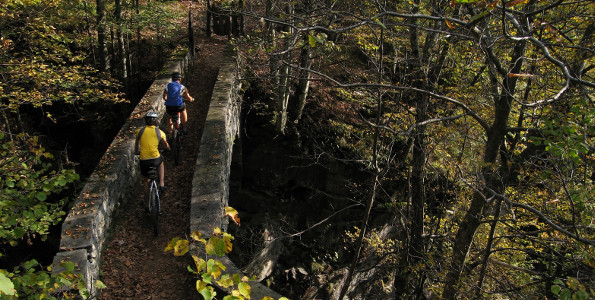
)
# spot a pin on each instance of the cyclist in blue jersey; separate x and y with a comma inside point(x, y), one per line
point(174, 94)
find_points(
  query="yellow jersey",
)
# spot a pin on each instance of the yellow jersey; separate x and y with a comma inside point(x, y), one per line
point(149, 143)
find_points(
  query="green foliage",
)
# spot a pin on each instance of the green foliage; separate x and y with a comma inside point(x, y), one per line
point(28, 184)
point(42, 61)
point(31, 281)
point(159, 18)
point(572, 289)
point(210, 271)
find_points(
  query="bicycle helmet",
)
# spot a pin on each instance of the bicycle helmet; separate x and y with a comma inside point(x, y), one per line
point(175, 76)
point(151, 118)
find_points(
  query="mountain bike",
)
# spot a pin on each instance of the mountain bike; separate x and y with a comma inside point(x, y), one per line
point(177, 136)
point(154, 201)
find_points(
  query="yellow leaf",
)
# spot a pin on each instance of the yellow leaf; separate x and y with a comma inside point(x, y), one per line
point(199, 262)
point(200, 285)
point(515, 2)
point(171, 244)
point(181, 247)
point(244, 289)
point(232, 214)
point(196, 237)
point(217, 231)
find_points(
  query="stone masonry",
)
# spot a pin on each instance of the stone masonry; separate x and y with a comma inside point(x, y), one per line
point(86, 227)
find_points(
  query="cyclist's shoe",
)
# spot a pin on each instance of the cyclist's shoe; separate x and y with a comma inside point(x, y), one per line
point(162, 190)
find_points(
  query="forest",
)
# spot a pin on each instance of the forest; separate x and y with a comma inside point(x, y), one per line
point(471, 123)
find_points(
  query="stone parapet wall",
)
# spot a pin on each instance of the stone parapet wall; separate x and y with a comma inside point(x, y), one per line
point(210, 183)
point(86, 227)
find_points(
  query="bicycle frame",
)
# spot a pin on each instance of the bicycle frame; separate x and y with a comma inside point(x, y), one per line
point(176, 120)
point(176, 137)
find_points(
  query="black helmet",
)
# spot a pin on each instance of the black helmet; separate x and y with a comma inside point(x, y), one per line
point(175, 76)
point(151, 118)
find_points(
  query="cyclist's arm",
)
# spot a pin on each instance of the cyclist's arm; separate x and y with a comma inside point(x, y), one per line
point(165, 143)
point(187, 95)
point(164, 95)
point(136, 146)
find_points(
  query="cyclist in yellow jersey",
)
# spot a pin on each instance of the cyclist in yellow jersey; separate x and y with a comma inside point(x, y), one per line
point(147, 146)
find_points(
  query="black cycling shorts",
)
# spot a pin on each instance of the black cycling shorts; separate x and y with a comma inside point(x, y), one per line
point(174, 110)
point(149, 167)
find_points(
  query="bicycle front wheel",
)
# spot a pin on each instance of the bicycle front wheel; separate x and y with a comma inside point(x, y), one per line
point(154, 209)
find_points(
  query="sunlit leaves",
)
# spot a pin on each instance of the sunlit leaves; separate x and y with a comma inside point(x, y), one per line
point(31, 281)
point(232, 214)
point(211, 271)
point(179, 246)
point(43, 60)
point(6, 285)
point(572, 289)
point(207, 291)
point(219, 243)
point(29, 186)
point(196, 236)
point(158, 18)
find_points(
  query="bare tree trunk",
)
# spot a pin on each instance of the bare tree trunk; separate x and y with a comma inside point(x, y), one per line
point(305, 65)
point(191, 43)
point(303, 81)
point(495, 139)
point(270, 40)
point(264, 262)
point(101, 37)
point(122, 55)
point(209, 16)
point(404, 282)
point(377, 177)
point(88, 28)
point(138, 43)
point(488, 250)
point(283, 82)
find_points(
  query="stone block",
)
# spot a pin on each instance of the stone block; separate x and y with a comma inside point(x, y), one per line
point(82, 265)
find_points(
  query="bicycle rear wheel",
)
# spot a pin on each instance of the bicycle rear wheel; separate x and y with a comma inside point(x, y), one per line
point(176, 145)
point(154, 207)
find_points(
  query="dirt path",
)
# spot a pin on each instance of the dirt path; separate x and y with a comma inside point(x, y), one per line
point(134, 264)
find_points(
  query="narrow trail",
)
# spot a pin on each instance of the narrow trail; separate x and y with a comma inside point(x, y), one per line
point(134, 264)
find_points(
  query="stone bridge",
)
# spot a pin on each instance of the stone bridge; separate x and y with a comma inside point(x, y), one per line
point(87, 226)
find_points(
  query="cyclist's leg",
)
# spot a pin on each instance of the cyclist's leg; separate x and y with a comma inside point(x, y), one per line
point(170, 110)
point(144, 170)
point(183, 116)
point(161, 171)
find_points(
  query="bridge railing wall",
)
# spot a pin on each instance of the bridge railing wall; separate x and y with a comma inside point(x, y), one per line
point(210, 184)
point(86, 227)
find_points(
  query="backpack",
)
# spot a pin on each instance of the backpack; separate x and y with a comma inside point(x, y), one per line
point(157, 132)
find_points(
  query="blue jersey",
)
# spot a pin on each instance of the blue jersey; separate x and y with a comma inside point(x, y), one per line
point(174, 91)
